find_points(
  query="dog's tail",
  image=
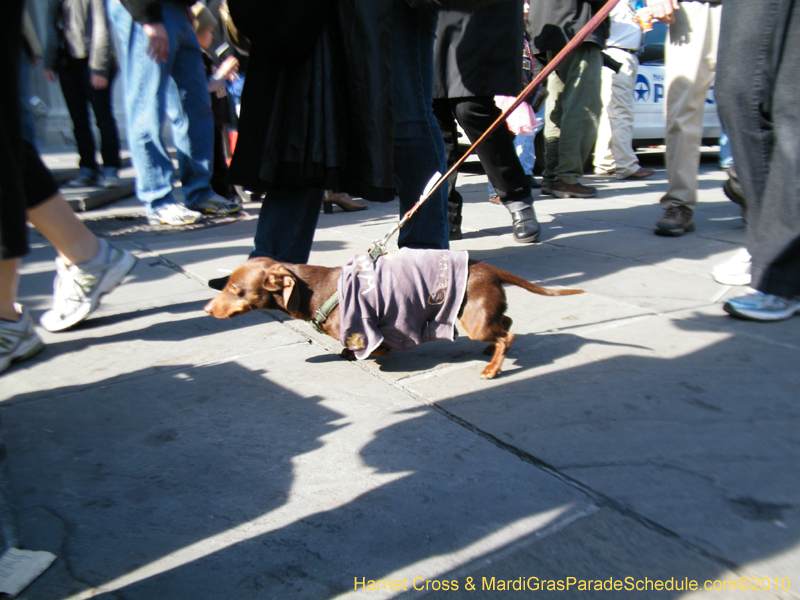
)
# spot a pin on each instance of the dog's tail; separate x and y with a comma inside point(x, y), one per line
point(511, 279)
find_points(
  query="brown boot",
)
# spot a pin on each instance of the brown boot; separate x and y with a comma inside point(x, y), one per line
point(676, 221)
point(562, 189)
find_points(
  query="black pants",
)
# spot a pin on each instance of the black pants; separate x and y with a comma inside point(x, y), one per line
point(24, 180)
point(497, 153)
point(79, 95)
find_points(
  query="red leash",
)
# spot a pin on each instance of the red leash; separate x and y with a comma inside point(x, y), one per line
point(593, 24)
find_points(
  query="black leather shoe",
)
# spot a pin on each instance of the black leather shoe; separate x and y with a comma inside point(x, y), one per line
point(526, 227)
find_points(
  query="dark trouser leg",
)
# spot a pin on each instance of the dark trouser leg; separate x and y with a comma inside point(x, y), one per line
point(497, 152)
point(761, 116)
point(286, 224)
point(77, 99)
point(577, 106)
point(106, 123)
point(418, 148)
point(13, 230)
point(449, 129)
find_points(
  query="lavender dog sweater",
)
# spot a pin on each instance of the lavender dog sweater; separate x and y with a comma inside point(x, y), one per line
point(402, 299)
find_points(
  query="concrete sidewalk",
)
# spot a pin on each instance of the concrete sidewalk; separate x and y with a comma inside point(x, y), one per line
point(636, 432)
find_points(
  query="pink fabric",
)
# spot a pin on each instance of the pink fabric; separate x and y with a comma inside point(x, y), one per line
point(402, 299)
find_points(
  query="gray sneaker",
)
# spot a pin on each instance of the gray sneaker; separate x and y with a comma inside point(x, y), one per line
point(110, 181)
point(676, 221)
point(214, 204)
point(84, 180)
point(19, 340)
point(77, 289)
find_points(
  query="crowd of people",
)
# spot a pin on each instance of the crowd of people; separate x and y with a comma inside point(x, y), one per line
point(364, 99)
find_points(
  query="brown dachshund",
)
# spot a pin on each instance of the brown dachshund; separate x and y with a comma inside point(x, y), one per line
point(300, 290)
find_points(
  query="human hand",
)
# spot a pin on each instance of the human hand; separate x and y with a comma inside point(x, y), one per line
point(158, 48)
point(228, 66)
point(50, 75)
point(664, 10)
point(644, 16)
point(98, 82)
point(217, 87)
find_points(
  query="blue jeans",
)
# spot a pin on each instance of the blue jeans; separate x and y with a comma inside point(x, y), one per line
point(286, 224)
point(175, 89)
point(526, 152)
point(418, 144)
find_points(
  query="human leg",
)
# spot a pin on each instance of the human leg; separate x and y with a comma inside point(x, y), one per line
point(286, 224)
point(761, 120)
point(690, 64)
point(419, 150)
point(614, 148)
point(107, 124)
point(552, 130)
point(189, 107)
point(604, 162)
point(526, 151)
point(146, 84)
point(443, 111)
point(87, 267)
point(501, 163)
point(580, 111)
point(56, 221)
point(74, 82)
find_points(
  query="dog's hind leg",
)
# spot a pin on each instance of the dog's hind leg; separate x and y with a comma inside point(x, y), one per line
point(490, 349)
point(500, 337)
point(501, 346)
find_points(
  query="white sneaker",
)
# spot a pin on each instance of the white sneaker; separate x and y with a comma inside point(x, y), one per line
point(759, 306)
point(19, 340)
point(735, 270)
point(77, 289)
point(173, 213)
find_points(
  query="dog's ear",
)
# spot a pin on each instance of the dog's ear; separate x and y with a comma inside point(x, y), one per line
point(279, 279)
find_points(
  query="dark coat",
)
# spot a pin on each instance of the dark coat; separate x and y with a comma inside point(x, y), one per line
point(317, 100)
point(553, 23)
point(148, 11)
point(479, 53)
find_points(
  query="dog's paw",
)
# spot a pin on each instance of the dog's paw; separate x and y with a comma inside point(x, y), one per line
point(490, 372)
point(348, 354)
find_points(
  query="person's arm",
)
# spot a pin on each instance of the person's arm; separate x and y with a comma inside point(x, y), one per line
point(664, 10)
point(31, 43)
point(100, 48)
point(149, 14)
point(51, 41)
